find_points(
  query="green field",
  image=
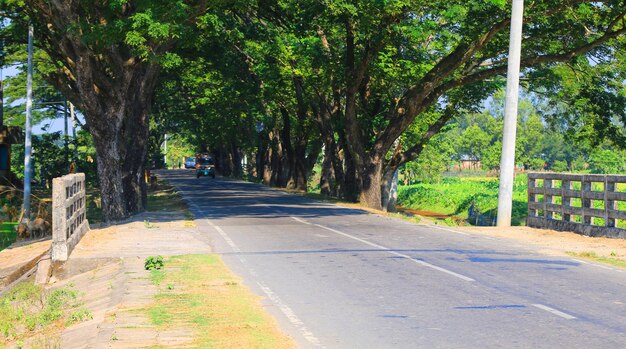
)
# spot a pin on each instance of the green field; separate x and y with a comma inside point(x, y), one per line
point(454, 196)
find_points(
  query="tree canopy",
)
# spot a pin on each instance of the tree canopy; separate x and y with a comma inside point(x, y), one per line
point(363, 86)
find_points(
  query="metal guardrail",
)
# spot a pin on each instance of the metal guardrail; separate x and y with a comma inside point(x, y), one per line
point(547, 213)
point(69, 214)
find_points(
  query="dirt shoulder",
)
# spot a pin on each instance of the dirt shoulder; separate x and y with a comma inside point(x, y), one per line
point(555, 243)
point(550, 242)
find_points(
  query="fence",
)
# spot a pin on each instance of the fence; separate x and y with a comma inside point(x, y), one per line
point(585, 204)
point(69, 214)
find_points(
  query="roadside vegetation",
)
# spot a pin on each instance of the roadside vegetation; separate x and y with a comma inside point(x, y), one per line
point(34, 317)
point(593, 256)
point(200, 293)
point(457, 196)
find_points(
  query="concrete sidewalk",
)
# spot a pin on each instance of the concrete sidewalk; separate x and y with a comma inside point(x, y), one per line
point(107, 266)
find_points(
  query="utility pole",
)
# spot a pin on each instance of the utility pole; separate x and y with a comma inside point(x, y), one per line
point(1, 101)
point(507, 161)
point(165, 151)
point(65, 136)
point(28, 126)
point(73, 117)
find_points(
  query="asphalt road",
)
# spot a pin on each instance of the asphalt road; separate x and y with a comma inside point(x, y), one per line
point(341, 278)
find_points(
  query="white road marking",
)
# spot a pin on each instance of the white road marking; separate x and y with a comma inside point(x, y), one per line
point(580, 261)
point(554, 311)
point(449, 230)
point(284, 308)
point(300, 220)
point(291, 316)
point(383, 248)
point(432, 266)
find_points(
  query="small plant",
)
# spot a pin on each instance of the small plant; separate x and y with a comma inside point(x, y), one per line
point(170, 286)
point(148, 225)
point(450, 222)
point(613, 254)
point(79, 315)
point(154, 263)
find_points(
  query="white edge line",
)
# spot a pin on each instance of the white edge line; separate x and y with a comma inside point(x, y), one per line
point(291, 316)
point(580, 261)
point(449, 230)
point(554, 311)
point(285, 309)
point(300, 220)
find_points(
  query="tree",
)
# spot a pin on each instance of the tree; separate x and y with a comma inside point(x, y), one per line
point(606, 161)
point(473, 142)
point(402, 62)
point(106, 59)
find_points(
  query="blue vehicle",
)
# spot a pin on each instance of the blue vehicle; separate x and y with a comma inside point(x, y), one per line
point(190, 162)
point(205, 166)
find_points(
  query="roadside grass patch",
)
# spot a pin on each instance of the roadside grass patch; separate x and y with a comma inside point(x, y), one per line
point(592, 256)
point(31, 314)
point(200, 293)
point(164, 197)
point(454, 196)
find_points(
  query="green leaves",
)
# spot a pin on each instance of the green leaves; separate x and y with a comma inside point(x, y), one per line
point(154, 263)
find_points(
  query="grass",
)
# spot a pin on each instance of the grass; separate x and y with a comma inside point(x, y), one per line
point(8, 234)
point(200, 293)
point(94, 205)
point(30, 313)
point(453, 196)
point(163, 197)
point(592, 256)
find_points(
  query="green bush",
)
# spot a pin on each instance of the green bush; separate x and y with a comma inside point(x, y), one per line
point(454, 196)
point(559, 166)
point(154, 263)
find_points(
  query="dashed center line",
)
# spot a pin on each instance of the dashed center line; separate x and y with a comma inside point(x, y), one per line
point(554, 311)
point(383, 248)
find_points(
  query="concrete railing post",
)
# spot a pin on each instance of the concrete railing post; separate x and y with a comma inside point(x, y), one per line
point(609, 187)
point(69, 214)
point(532, 197)
point(566, 201)
point(547, 199)
point(586, 203)
point(613, 216)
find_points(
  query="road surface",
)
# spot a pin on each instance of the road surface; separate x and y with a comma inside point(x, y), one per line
point(335, 277)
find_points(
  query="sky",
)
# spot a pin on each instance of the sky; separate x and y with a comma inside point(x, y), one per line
point(46, 126)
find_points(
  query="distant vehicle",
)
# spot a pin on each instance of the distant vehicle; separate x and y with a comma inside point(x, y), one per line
point(205, 165)
point(190, 163)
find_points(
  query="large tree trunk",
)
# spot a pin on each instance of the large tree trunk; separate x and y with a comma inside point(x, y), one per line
point(328, 185)
point(389, 189)
point(110, 85)
point(119, 126)
point(236, 160)
point(371, 180)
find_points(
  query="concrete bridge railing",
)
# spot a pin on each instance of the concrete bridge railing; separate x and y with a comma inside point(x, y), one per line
point(69, 214)
point(586, 204)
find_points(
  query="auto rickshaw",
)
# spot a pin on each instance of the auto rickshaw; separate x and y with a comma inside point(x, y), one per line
point(205, 165)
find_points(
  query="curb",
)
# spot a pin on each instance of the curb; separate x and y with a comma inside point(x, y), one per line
point(26, 268)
